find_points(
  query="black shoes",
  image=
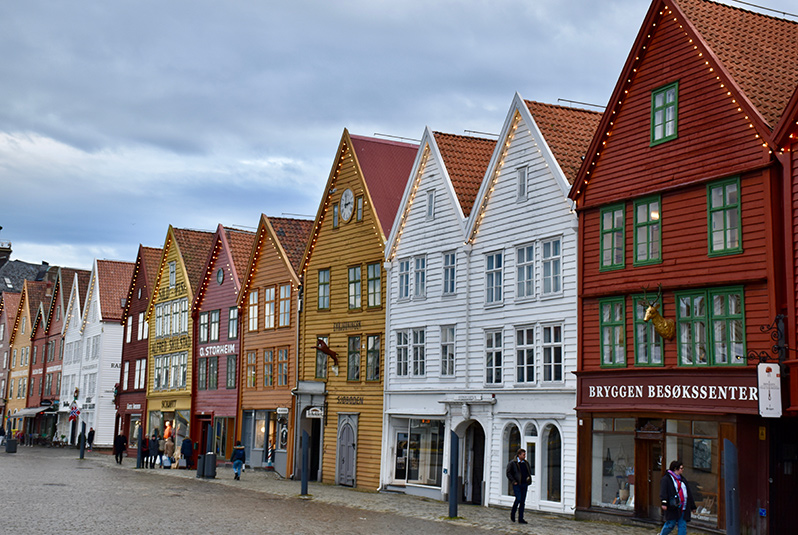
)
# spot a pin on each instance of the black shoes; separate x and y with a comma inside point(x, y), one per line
point(512, 517)
point(522, 521)
point(237, 477)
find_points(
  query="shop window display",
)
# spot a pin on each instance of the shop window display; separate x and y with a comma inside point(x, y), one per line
point(696, 444)
point(613, 463)
point(419, 452)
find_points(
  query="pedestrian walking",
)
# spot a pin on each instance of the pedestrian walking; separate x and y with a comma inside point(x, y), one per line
point(120, 445)
point(677, 500)
point(90, 438)
point(187, 452)
point(238, 458)
point(153, 449)
point(520, 475)
point(169, 450)
point(161, 450)
point(2, 435)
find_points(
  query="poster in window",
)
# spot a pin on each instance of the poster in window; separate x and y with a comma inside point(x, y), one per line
point(702, 454)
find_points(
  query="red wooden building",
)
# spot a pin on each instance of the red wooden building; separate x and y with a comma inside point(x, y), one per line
point(680, 204)
point(216, 342)
point(131, 400)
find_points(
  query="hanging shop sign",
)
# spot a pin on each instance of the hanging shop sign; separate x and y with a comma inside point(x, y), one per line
point(769, 382)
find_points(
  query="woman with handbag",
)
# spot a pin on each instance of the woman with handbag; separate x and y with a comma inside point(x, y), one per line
point(677, 500)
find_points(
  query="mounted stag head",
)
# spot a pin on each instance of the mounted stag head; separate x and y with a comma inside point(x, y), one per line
point(664, 327)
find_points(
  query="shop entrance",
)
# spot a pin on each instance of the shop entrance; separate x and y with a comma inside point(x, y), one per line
point(474, 464)
point(645, 487)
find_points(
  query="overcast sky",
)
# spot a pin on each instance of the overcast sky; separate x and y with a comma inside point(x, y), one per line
point(120, 118)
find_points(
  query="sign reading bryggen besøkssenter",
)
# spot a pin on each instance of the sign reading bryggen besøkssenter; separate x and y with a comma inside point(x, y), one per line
point(693, 390)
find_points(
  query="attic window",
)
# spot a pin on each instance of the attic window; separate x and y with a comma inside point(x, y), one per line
point(8, 282)
point(664, 113)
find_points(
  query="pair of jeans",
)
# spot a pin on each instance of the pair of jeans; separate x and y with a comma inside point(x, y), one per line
point(237, 465)
point(678, 523)
point(520, 500)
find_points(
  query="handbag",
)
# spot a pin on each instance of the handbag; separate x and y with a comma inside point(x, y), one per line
point(675, 501)
point(167, 462)
point(181, 463)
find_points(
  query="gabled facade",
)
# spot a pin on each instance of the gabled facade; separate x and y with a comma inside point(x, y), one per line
point(71, 365)
point(131, 401)
point(9, 304)
point(169, 370)
point(680, 216)
point(339, 400)
point(426, 290)
point(216, 360)
point(269, 301)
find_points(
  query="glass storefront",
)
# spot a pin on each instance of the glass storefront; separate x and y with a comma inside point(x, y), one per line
point(133, 430)
point(696, 444)
point(419, 452)
point(613, 463)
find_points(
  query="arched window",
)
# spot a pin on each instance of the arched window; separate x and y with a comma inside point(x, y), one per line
point(512, 441)
point(552, 464)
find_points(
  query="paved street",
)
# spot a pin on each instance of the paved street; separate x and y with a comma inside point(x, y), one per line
point(49, 490)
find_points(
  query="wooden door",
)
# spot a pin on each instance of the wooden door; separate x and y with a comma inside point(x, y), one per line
point(346, 456)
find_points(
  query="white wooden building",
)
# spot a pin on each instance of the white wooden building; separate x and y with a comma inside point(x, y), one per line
point(70, 366)
point(507, 331)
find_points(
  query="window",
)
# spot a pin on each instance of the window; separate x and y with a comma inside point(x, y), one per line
point(374, 285)
point(355, 287)
point(711, 327)
point(612, 327)
point(158, 322)
point(552, 353)
point(284, 318)
point(252, 374)
point(373, 358)
point(268, 368)
point(231, 371)
point(420, 277)
point(353, 360)
point(647, 231)
point(430, 205)
point(48, 387)
point(419, 353)
point(252, 313)
point(493, 278)
point(35, 350)
point(449, 271)
point(175, 317)
point(183, 369)
point(525, 355)
point(521, 174)
point(213, 373)
point(723, 205)
point(2, 331)
point(203, 327)
point(321, 360)
point(172, 274)
point(184, 315)
point(202, 374)
point(552, 266)
point(612, 237)
point(402, 351)
point(129, 330)
point(324, 289)
point(335, 215)
point(493, 357)
point(232, 323)
point(417, 451)
point(525, 271)
point(175, 377)
point(215, 320)
point(359, 208)
point(139, 377)
point(664, 113)
point(140, 335)
point(648, 344)
point(125, 375)
point(268, 308)
point(282, 367)
point(404, 279)
point(447, 350)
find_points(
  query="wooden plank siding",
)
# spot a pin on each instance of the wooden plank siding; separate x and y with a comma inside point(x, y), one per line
point(714, 138)
point(353, 243)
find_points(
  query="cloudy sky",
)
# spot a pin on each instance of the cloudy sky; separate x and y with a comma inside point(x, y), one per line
point(120, 118)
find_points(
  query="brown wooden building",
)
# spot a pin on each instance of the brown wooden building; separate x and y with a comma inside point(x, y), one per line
point(9, 303)
point(681, 192)
point(268, 302)
point(340, 399)
point(216, 344)
point(131, 400)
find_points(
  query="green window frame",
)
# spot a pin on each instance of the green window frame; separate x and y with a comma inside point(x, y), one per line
point(612, 329)
point(724, 223)
point(374, 285)
point(373, 358)
point(612, 237)
point(711, 327)
point(353, 359)
point(355, 287)
point(664, 113)
point(649, 346)
point(648, 231)
point(324, 289)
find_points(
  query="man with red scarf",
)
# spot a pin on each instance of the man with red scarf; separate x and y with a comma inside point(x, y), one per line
point(677, 501)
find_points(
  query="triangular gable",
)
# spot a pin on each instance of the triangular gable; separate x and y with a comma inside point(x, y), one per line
point(73, 310)
point(32, 292)
point(146, 263)
point(229, 243)
point(113, 277)
point(707, 76)
point(461, 161)
point(9, 303)
point(787, 130)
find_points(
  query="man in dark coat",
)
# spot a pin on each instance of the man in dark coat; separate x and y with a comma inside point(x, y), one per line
point(519, 472)
point(90, 438)
point(187, 452)
point(120, 445)
point(677, 500)
point(153, 449)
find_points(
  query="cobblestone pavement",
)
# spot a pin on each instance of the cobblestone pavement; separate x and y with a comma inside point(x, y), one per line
point(52, 491)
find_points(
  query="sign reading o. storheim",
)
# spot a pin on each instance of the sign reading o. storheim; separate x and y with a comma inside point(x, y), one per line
point(769, 379)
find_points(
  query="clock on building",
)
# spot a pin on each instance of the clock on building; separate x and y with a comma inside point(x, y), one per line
point(347, 204)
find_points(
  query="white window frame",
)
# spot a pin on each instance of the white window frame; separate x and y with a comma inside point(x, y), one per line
point(548, 363)
point(402, 353)
point(494, 278)
point(493, 348)
point(524, 349)
point(404, 278)
point(448, 337)
point(551, 283)
point(449, 273)
point(420, 277)
point(419, 352)
point(525, 271)
point(522, 183)
point(430, 205)
point(172, 274)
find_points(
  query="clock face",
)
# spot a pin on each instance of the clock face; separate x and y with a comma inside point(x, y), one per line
point(347, 204)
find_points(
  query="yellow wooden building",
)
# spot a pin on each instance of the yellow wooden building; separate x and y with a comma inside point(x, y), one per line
point(342, 323)
point(185, 255)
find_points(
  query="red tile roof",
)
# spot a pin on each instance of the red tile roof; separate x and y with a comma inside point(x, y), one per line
point(759, 51)
point(151, 259)
point(36, 295)
point(293, 235)
point(10, 303)
point(195, 248)
point(113, 279)
point(240, 242)
point(386, 166)
point(466, 159)
point(567, 131)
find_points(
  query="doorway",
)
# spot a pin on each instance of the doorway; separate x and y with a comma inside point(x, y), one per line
point(645, 488)
point(474, 464)
point(346, 454)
